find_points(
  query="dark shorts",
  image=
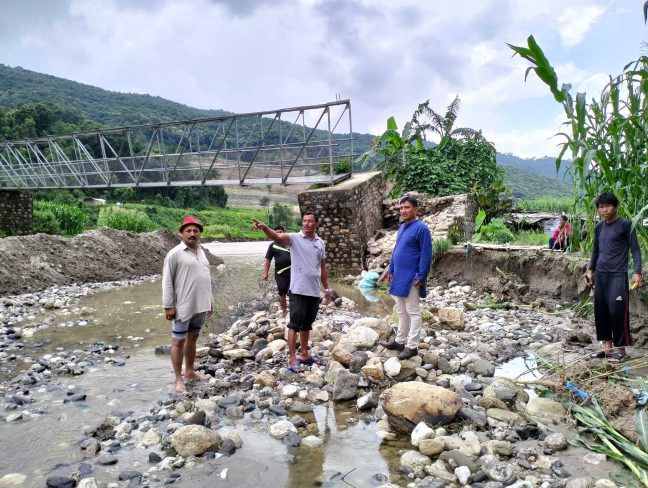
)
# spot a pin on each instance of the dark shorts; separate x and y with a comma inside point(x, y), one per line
point(179, 329)
point(303, 311)
point(283, 283)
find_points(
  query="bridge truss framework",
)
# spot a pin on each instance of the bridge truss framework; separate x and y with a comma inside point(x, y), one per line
point(259, 148)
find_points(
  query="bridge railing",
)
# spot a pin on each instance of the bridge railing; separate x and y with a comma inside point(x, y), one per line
point(307, 144)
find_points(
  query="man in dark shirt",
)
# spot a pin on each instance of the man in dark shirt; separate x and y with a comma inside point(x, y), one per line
point(608, 273)
point(281, 255)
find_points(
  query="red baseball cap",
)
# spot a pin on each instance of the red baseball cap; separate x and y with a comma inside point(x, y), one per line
point(191, 221)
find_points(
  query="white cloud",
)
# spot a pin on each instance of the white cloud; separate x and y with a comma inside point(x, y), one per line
point(575, 23)
point(252, 55)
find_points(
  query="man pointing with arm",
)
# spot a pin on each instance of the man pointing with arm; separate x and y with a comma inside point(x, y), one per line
point(308, 273)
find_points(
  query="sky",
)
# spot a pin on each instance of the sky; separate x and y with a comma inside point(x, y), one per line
point(386, 56)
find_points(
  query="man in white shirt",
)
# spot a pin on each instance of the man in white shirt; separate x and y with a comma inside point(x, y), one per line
point(187, 299)
point(308, 274)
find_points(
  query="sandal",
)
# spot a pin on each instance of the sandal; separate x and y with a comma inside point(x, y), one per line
point(600, 355)
point(617, 357)
point(311, 360)
point(295, 368)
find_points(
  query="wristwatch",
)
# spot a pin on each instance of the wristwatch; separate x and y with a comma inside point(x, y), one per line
point(328, 290)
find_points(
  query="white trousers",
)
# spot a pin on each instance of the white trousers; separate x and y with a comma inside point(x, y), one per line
point(409, 318)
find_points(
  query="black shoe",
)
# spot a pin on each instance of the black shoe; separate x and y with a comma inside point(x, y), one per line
point(392, 345)
point(407, 353)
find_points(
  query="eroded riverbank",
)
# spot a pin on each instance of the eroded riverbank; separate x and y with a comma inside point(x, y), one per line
point(96, 405)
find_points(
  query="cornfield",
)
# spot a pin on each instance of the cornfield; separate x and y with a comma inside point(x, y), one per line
point(607, 139)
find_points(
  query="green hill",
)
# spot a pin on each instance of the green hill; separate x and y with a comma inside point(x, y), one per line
point(19, 86)
point(527, 185)
point(81, 106)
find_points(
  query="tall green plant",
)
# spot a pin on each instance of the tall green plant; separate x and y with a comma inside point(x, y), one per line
point(461, 160)
point(607, 138)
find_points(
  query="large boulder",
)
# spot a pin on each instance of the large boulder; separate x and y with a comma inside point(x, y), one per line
point(406, 404)
point(359, 336)
point(507, 391)
point(452, 318)
point(194, 440)
point(374, 369)
point(345, 386)
point(379, 325)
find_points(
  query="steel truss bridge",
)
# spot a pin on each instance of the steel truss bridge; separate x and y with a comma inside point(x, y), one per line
point(307, 144)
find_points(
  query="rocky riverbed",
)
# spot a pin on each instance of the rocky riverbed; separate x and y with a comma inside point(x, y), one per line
point(446, 417)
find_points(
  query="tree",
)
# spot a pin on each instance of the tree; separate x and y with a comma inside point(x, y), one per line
point(264, 201)
point(463, 159)
point(443, 126)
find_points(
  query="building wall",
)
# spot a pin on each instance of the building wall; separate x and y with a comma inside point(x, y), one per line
point(350, 213)
point(16, 212)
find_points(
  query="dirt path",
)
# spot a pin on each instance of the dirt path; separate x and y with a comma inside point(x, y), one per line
point(253, 248)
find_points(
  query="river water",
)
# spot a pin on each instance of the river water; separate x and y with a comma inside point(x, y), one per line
point(131, 317)
point(51, 430)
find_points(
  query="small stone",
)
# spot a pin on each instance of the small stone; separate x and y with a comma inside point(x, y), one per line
point(421, 432)
point(60, 482)
point(106, 459)
point(463, 474)
point(555, 442)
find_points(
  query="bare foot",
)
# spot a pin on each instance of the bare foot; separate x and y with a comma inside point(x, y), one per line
point(195, 376)
point(180, 386)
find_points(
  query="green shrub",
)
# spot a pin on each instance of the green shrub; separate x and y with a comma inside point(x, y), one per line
point(70, 218)
point(45, 222)
point(440, 246)
point(125, 219)
point(495, 231)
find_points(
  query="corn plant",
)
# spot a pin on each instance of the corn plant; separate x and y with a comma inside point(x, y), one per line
point(606, 440)
point(607, 139)
point(70, 218)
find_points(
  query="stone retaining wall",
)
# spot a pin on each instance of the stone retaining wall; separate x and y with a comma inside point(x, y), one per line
point(16, 212)
point(350, 213)
point(451, 217)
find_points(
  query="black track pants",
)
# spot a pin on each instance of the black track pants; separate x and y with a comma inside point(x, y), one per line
point(611, 308)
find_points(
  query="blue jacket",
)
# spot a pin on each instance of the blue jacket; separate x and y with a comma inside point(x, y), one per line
point(411, 259)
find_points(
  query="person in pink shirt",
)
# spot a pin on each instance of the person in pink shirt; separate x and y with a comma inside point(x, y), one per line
point(560, 238)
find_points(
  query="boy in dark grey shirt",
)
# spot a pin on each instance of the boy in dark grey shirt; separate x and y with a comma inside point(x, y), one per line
point(608, 270)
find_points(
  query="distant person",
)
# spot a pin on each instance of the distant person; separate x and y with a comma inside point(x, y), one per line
point(408, 270)
point(308, 273)
point(187, 299)
point(608, 274)
point(281, 255)
point(560, 239)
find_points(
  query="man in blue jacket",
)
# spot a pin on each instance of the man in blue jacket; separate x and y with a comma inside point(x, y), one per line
point(408, 270)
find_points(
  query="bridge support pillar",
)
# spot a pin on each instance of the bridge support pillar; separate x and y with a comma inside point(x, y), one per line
point(16, 212)
point(350, 213)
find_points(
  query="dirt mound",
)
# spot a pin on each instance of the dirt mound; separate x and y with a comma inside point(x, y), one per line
point(35, 262)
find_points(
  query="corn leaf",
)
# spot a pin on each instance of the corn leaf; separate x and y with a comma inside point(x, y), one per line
point(641, 421)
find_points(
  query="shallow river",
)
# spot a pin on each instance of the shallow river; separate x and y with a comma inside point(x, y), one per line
point(51, 430)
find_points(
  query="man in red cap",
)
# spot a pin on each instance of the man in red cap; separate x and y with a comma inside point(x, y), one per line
point(187, 299)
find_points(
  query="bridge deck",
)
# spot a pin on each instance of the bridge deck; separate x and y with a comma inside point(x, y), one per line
point(261, 148)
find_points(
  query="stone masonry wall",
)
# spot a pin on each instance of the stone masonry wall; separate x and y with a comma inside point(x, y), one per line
point(350, 213)
point(454, 214)
point(16, 212)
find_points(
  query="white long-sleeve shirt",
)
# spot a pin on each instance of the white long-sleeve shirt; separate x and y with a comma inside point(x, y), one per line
point(186, 282)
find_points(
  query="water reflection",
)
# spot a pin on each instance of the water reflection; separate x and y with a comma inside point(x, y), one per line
point(353, 453)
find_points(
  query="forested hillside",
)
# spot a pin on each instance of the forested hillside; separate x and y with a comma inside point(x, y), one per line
point(527, 185)
point(34, 104)
point(110, 109)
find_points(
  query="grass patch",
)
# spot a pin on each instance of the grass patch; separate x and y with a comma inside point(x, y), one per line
point(531, 238)
point(233, 223)
point(546, 204)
